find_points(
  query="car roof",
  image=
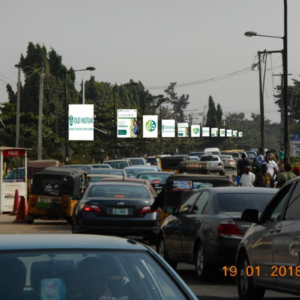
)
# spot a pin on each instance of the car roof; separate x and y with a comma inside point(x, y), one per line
point(116, 160)
point(19, 242)
point(199, 177)
point(125, 180)
point(243, 190)
point(118, 181)
point(141, 167)
point(156, 173)
point(135, 158)
point(106, 175)
point(61, 171)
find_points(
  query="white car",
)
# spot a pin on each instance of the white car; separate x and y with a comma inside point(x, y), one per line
point(214, 161)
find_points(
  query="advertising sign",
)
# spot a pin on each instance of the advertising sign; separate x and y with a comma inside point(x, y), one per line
point(214, 132)
point(13, 152)
point(81, 122)
point(150, 126)
point(195, 130)
point(240, 134)
point(205, 132)
point(222, 132)
point(168, 128)
point(127, 123)
point(183, 129)
point(229, 132)
point(234, 133)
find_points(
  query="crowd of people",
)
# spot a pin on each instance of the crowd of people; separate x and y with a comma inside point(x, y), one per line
point(267, 170)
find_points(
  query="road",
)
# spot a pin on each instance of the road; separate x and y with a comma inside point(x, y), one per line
point(218, 289)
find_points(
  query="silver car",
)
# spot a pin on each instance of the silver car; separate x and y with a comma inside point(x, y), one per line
point(134, 170)
point(214, 161)
point(228, 161)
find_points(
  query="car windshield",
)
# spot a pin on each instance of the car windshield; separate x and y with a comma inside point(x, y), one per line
point(137, 161)
point(118, 164)
point(155, 178)
point(84, 168)
point(101, 166)
point(85, 275)
point(106, 171)
point(207, 158)
point(119, 191)
point(152, 160)
point(238, 202)
point(133, 172)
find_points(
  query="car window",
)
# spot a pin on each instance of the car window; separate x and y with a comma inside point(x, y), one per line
point(277, 204)
point(201, 203)
point(186, 207)
point(293, 208)
point(206, 158)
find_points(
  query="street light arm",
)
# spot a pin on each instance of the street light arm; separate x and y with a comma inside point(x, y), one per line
point(253, 33)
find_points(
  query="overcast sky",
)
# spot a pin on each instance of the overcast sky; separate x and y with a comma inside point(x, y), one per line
point(158, 42)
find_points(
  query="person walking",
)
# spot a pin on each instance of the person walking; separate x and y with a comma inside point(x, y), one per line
point(242, 163)
point(256, 166)
point(285, 176)
point(272, 168)
point(263, 179)
point(248, 178)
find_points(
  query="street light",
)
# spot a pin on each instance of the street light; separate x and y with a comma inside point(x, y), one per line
point(66, 111)
point(83, 92)
point(285, 81)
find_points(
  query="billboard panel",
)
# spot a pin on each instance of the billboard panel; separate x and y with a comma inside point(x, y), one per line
point(150, 126)
point(240, 134)
point(222, 132)
point(214, 132)
point(127, 123)
point(234, 133)
point(183, 129)
point(168, 128)
point(205, 131)
point(195, 130)
point(229, 132)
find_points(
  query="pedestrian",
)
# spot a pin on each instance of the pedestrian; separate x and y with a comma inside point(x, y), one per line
point(284, 177)
point(263, 179)
point(248, 178)
point(272, 168)
point(281, 156)
point(242, 163)
point(258, 158)
point(256, 166)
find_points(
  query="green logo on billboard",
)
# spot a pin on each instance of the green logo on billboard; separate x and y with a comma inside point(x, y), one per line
point(222, 132)
point(71, 120)
point(163, 127)
point(150, 125)
point(196, 130)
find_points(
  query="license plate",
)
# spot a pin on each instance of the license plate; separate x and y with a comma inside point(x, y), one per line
point(120, 211)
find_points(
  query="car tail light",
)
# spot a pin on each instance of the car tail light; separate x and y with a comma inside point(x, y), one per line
point(230, 160)
point(229, 229)
point(219, 164)
point(146, 210)
point(93, 208)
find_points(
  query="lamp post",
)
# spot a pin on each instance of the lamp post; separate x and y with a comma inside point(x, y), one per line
point(18, 105)
point(66, 111)
point(285, 82)
point(83, 89)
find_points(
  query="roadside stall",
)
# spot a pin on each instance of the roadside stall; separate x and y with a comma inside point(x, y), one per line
point(18, 160)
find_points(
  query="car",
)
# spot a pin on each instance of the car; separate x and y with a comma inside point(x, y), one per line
point(120, 172)
point(199, 154)
point(193, 158)
point(97, 177)
point(103, 166)
point(207, 228)
point(236, 155)
point(215, 163)
point(271, 246)
point(82, 167)
point(118, 163)
point(157, 179)
point(137, 161)
point(228, 161)
point(66, 266)
point(134, 170)
point(117, 208)
point(214, 151)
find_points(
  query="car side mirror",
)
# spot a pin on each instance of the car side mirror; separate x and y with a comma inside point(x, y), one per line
point(169, 210)
point(250, 215)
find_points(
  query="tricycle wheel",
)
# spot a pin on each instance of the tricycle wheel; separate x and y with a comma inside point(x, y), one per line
point(29, 219)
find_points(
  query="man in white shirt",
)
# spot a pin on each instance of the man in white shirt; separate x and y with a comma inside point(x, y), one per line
point(272, 166)
point(247, 178)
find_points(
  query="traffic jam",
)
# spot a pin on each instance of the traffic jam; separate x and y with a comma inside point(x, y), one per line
point(132, 223)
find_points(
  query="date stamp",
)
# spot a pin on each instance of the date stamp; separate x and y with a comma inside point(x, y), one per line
point(275, 271)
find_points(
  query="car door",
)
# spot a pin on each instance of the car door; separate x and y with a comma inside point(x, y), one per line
point(286, 244)
point(261, 254)
point(190, 224)
point(173, 229)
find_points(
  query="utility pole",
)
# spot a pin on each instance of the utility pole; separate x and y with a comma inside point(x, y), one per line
point(18, 105)
point(40, 129)
point(115, 121)
point(262, 110)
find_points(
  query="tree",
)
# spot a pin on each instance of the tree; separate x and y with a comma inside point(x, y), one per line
point(219, 114)
point(211, 118)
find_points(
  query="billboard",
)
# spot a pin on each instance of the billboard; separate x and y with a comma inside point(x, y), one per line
point(150, 126)
point(81, 122)
point(229, 132)
point(240, 134)
point(183, 129)
point(214, 132)
point(205, 132)
point(168, 128)
point(234, 133)
point(222, 132)
point(195, 130)
point(127, 123)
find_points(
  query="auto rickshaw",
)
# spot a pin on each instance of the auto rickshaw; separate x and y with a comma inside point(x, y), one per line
point(54, 193)
point(179, 187)
point(193, 167)
point(171, 163)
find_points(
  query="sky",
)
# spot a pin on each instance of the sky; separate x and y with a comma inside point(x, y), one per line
point(158, 42)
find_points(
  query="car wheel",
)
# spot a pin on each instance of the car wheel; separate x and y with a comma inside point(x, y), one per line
point(246, 289)
point(202, 270)
point(29, 219)
point(161, 250)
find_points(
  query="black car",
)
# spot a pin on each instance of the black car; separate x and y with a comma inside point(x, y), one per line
point(207, 228)
point(157, 179)
point(64, 266)
point(120, 172)
point(268, 255)
point(117, 208)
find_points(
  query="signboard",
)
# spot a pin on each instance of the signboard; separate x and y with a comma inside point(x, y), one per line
point(229, 132)
point(195, 130)
point(295, 148)
point(183, 129)
point(234, 133)
point(150, 126)
point(13, 152)
point(168, 128)
point(214, 132)
point(127, 123)
point(205, 131)
point(222, 132)
point(9, 189)
point(240, 134)
point(81, 122)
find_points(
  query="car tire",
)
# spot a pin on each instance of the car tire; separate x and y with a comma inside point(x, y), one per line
point(161, 250)
point(203, 272)
point(29, 219)
point(246, 288)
